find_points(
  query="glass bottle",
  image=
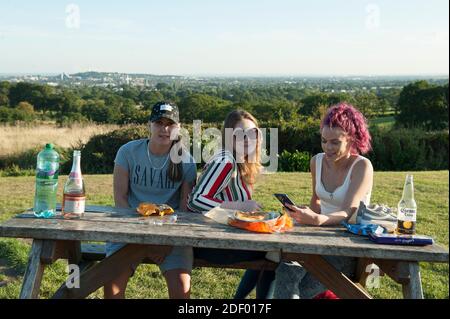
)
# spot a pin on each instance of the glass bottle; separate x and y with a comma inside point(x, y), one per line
point(74, 195)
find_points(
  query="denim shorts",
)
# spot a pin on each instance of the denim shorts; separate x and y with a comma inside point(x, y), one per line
point(181, 257)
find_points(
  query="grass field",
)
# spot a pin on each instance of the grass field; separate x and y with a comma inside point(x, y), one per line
point(386, 122)
point(431, 193)
point(19, 138)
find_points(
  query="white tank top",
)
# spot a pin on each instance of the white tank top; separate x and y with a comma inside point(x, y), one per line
point(331, 202)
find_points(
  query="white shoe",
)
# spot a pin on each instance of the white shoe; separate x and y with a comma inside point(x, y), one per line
point(378, 215)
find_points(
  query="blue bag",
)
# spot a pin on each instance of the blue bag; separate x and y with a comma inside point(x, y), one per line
point(363, 229)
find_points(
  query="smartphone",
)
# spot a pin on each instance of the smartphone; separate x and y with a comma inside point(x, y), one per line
point(284, 199)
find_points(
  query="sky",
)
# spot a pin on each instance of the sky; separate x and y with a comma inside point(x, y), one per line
point(232, 37)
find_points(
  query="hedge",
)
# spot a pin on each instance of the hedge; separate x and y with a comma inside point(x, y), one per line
point(393, 150)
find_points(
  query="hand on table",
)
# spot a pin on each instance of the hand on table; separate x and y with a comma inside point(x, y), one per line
point(302, 215)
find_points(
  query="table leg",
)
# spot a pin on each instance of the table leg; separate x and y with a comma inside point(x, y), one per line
point(331, 278)
point(413, 288)
point(34, 272)
point(106, 270)
point(406, 273)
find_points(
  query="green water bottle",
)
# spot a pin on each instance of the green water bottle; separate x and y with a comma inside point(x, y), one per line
point(47, 171)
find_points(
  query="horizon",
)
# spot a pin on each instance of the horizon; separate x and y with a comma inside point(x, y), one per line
point(229, 75)
point(233, 38)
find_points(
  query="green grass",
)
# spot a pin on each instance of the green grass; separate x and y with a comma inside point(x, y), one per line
point(384, 122)
point(431, 193)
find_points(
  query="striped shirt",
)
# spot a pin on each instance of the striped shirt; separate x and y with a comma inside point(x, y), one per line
point(219, 182)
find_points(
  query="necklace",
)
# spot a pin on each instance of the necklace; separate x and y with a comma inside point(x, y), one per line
point(151, 163)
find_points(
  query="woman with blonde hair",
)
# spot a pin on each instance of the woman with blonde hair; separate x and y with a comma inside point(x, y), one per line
point(227, 181)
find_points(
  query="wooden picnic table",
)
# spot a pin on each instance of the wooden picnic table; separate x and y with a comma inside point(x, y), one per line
point(59, 238)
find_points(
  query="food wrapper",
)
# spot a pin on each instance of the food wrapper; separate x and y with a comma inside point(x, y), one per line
point(261, 222)
point(147, 209)
point(219, 215)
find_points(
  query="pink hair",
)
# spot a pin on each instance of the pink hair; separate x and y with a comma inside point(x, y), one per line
point(352, 122)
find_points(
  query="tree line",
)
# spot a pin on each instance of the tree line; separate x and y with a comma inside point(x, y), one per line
point(418, 104)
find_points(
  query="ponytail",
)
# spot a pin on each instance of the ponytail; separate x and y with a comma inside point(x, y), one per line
point(175, 170)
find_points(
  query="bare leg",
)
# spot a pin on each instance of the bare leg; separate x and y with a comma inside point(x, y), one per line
point(116, 288)
point(178, 283)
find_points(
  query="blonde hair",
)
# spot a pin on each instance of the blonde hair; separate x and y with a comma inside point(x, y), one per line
point(249, 169)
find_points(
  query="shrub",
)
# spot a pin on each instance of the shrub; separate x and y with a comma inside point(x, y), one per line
point(15, 170)
point(14, 115)
point(12, 164)
point(302, 135)
point(97, 156)
point(393, 150)
point(294, 162)
point(409, 149)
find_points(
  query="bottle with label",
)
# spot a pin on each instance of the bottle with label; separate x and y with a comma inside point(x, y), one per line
point(407, 209)
point(74, 196)
point(47, 171)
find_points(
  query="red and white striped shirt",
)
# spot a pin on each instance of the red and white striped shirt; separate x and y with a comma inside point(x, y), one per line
point(219, 182)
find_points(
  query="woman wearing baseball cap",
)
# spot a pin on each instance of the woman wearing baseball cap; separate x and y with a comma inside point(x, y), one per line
point(145, 171)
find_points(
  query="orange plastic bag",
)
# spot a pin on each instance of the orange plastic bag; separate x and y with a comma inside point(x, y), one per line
point(277, 225)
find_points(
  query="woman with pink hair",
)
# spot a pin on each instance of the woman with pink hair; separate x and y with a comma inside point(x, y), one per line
point(341, 179)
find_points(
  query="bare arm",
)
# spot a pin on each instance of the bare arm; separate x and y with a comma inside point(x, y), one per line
point(186, 189)
point(361, 182)
point(315, 201)
point(121, 187)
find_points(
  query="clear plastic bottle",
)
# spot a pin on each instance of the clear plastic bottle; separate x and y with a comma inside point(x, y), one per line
point(407, 209)
point(74, 196)
point(47, 171)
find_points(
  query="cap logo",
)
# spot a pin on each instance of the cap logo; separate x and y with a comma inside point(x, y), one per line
point(166, 107)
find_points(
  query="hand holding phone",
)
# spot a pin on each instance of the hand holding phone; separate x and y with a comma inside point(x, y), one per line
point(284, 199)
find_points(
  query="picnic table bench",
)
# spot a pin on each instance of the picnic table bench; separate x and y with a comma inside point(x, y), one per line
point(59, 238)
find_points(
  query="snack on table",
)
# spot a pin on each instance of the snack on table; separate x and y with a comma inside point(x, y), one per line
point(148, 209)
point(250, 216)
point(165, 210)
point(261, 222)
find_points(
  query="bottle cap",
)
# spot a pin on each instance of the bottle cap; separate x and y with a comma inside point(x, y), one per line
point(49, 146)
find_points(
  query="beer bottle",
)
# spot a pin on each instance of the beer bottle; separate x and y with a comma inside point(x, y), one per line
point(74, 194)
point(407, 209)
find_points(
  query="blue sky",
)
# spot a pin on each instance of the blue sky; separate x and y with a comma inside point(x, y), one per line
point(247, 37)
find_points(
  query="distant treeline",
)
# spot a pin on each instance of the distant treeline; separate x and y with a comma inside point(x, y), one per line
point(417, 104)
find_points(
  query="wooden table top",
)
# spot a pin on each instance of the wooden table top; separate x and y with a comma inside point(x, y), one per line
point(104, 223)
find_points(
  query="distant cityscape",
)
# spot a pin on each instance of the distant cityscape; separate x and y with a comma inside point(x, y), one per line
point(116, 81)
point(100, 79)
